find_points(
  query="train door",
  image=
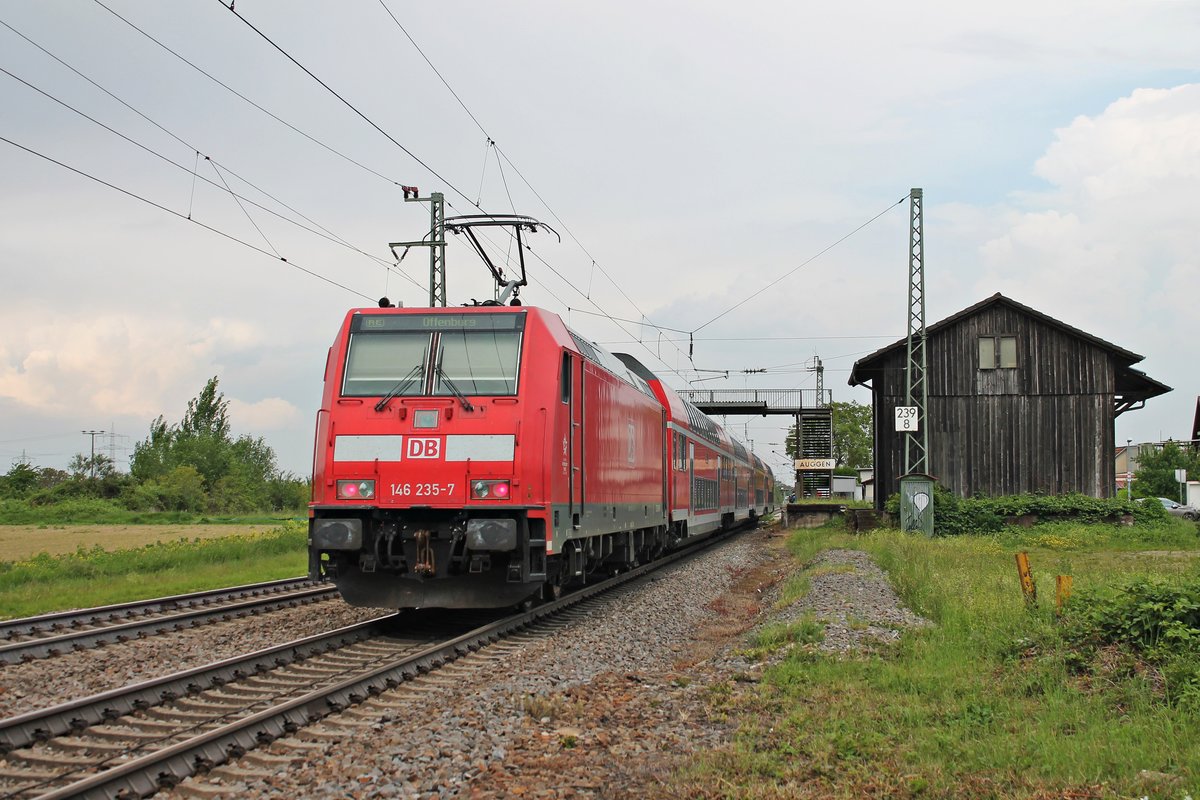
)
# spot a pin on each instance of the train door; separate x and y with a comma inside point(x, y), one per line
point(691, 473)
point(573, 386)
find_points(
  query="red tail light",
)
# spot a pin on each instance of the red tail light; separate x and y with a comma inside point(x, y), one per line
point(355, 490)
point(490, 490)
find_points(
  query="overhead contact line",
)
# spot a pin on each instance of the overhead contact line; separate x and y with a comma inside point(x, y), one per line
point(184, 217)
point(230, 7)
point(235, 92)
point(501, 154)
point(800, 266)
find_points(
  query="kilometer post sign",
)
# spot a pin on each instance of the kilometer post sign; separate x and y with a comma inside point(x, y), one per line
point(906, 419)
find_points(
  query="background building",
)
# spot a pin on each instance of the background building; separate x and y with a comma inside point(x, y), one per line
point(1018, 402)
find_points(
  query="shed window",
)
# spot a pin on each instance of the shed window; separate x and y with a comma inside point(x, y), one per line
point(997, 352)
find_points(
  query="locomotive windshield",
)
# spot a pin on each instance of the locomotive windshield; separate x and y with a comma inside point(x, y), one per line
point(478, 362)
point(476, 354)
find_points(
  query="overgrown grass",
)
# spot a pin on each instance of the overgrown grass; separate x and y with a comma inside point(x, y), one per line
point(99, 577)
point(109, 512)
point(991, 701)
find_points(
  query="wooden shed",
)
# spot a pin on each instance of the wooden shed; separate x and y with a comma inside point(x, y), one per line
point(1018, 402)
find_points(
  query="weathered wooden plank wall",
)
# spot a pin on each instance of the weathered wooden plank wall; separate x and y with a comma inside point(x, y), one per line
point(1044, 426)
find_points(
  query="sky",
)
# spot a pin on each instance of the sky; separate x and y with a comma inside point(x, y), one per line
point(690, 156)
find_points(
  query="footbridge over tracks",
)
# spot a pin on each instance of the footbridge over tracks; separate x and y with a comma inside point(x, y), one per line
point(814, 421)
point(755, 402)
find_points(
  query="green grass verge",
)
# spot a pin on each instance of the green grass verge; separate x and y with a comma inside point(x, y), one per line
point(108, 512)
point(99, 577)
point(988, 702)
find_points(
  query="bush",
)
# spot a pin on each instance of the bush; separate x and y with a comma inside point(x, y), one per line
point(87, 509)
point(953, 515)
point(1145, 614)
point(1154, 619)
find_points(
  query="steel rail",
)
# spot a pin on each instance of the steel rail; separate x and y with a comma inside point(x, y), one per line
point(77, 715)
point(15, 652)
point(73, 618)
point(144, 775)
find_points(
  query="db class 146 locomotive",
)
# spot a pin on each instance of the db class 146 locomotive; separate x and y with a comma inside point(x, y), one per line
point(480, 457)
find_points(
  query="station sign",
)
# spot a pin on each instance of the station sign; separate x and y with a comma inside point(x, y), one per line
point(815, 463)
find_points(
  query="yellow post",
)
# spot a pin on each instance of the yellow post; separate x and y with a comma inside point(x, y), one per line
point(1062, 586)
point(1027, 586)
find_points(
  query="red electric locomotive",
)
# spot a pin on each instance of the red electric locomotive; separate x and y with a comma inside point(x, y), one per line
point(481, 456)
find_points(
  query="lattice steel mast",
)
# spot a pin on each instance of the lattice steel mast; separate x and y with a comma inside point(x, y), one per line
point(916, 390)
point(435, 240)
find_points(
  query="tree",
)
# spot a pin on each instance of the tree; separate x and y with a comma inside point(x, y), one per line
point(1155, 476)
point(235, 474)
point(21, 479)
point(98, 466)
point(852, 435)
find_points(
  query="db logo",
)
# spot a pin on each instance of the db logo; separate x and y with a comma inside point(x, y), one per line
point(420, 447)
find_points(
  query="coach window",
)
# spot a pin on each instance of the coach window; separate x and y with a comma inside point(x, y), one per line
point(997, 352)
point(566, 377)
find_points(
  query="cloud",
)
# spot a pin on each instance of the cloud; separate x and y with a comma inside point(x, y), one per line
point(1117, 222)
point(1111, 244)
point(268, 414)
point(105, 364)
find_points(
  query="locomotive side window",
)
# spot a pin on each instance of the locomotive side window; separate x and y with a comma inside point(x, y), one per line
point(478, 362)
point(566, 377)
point(377, 363)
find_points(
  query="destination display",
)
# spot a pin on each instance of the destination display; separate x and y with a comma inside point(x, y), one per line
point(364, 323)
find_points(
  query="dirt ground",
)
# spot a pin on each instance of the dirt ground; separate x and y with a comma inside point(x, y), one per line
point(19, 542)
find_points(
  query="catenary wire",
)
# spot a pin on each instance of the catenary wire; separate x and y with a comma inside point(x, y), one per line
point(502, 155)
point(161, 207)
point(800, 266)
point(235, 92)
point(230, 7)
point(223, 186)
point(178, 138)
point(755, 338)
point(365, 117)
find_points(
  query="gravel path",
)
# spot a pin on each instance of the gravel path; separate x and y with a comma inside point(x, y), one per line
point(44, 682)
point(853, 598)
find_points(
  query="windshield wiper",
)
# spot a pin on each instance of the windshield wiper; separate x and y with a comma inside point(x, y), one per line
point(466, 404)
point(400, 386)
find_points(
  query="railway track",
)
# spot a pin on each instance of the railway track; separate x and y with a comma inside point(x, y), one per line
point(66, 631)
point(134, 741)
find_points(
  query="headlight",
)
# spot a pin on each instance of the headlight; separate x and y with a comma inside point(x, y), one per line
point(336, 534)
point(490, 490)
point(491, 534)
point(355, 490)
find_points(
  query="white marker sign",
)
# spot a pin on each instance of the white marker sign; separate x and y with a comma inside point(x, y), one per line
point(906, 419)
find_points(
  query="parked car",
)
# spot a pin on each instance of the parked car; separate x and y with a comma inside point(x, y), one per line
point(1176, 510)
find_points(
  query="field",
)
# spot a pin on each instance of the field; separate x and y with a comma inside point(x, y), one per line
point(21, 542)
point(996, 698)
point(50, 568)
